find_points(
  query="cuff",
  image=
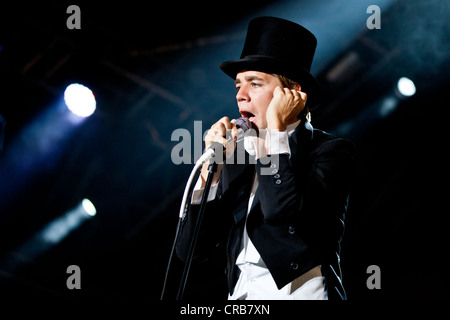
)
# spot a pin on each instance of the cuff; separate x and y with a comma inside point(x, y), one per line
point(277, 142)
point(198, 192)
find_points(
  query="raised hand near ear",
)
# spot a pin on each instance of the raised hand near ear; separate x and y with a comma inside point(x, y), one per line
point(284, 107)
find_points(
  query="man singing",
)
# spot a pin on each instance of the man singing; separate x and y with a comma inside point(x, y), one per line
point(280, 231)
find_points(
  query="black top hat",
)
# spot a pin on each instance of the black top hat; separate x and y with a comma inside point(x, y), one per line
point(278, 46)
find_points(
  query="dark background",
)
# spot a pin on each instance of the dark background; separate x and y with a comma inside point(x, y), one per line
point(153, 69)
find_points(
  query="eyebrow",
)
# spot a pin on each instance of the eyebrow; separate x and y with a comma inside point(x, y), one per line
point(248, 79)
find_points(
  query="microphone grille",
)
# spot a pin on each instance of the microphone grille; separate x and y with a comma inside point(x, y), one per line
point(243, 123)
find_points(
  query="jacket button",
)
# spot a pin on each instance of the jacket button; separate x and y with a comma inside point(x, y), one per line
point(278, 181)
point(294, 265)
point(291, 230)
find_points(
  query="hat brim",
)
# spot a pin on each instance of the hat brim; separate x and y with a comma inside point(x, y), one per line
point(276, 66)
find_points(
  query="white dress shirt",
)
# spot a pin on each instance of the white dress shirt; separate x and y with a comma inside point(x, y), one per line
point(255, 281)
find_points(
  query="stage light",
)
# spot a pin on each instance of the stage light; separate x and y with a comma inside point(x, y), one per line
point(59, 228)
point(80, 100)
point(387, 106)
point(406, 87)
point(50, 235)
point(89, 207)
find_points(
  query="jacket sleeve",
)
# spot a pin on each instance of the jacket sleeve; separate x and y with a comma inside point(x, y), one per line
point(213, 230)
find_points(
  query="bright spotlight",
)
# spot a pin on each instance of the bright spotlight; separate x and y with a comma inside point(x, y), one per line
point(80, 100)
point(406, 87)
point(89, 207)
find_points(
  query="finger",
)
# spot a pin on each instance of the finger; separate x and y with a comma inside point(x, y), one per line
point(216, 133)
point(288, 91)
point(303, 95)
point(234, 132)
point(277, 91)
point(218, 129)
point(226, 122)
point(222, 141)
point(210, 139)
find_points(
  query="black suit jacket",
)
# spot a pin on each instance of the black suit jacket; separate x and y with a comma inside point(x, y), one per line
point(297, 218)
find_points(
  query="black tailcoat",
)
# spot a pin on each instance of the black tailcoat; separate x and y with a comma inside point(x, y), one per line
point(297, 217)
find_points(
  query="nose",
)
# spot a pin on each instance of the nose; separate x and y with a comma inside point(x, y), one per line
point(242, 94)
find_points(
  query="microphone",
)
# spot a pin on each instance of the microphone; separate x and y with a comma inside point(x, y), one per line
point(242, 123)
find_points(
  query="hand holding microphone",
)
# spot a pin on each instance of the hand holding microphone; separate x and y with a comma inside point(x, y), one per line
point(217, 132)
point(216, 141)
point(216, 135)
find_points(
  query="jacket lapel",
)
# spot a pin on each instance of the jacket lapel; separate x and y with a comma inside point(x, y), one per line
point(230, 173)
point(299, 142)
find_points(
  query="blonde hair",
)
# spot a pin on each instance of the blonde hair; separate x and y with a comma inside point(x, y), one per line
point(288, 83)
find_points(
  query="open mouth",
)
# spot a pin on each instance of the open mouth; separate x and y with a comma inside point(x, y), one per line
point(250, 116)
